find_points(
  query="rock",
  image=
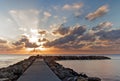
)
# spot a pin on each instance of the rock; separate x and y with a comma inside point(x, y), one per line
point(83, 75)
point(4, 79)
point(70, 79)
point(12, 72)
point(82, 79)
point(94, 79)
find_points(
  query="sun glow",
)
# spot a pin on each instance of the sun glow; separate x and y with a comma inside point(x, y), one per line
point(36, 49)
point(34, 37)
point(41, 48)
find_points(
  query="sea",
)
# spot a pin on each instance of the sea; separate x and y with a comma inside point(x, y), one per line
point(107, 70)
point(9, 59)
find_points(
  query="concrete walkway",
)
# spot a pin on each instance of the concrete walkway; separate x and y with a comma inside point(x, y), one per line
point(38, 71)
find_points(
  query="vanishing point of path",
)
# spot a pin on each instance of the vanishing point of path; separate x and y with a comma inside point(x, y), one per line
point(38, 71)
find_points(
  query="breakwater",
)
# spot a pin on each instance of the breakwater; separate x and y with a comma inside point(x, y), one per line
point(13, 72)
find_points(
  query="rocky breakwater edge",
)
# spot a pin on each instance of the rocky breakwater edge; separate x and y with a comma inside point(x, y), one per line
point(67, 74)
point(13, 72)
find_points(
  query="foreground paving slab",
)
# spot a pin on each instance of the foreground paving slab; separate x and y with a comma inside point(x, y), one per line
point(38, 71)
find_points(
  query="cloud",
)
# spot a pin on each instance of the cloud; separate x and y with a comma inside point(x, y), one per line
point(87, 37)
point(77, 14)
point(68, 40)
point(43, 40)
point(4, 45)
point(109, 35)
point(3, 41)
point(72, 6)
point(79, 38)
point(105, 45)
point(61, 30)
point(98, 13)
point(103, 25)
point(24, 42)
point(42, 32)
point(47, 14)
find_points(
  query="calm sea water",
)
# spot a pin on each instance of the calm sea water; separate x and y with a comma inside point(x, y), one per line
point(107, 70)
point(9, 59)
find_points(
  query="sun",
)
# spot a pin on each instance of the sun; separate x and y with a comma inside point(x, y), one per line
point(34, 37)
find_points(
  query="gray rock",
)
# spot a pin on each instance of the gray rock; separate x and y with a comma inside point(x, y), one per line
point(94, 79)
point(82, 79)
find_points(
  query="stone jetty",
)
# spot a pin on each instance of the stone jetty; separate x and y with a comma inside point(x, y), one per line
point(44, 68)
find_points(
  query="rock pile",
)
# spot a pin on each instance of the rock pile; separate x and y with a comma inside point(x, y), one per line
point(12, 72)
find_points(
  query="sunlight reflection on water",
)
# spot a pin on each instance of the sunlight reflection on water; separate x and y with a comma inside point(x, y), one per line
point(9, 59)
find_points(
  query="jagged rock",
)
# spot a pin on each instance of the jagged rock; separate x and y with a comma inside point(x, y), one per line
point(12, 72)
point(70, 79)
point(4, 79)
point(82, 79)
point(94, 79)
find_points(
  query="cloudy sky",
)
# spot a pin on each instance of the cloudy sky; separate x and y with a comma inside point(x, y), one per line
point(60, 26)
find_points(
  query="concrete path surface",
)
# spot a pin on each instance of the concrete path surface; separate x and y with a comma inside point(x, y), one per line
point(38, 71)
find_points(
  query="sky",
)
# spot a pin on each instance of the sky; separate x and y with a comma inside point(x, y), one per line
point(59, 26)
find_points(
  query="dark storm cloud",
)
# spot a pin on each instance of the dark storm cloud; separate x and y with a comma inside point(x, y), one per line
point(98, 13)
point(24, 42)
